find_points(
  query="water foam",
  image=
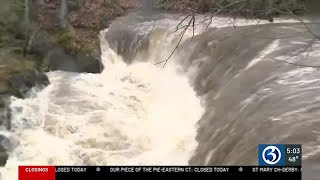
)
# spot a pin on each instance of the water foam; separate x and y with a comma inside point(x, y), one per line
point(128, 115)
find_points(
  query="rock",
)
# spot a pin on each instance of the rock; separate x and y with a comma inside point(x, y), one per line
point(18, 87)
point(3, 158)
point(4, 86)
point(21, 83)
point(40, 43)
point(105, 22)
point(89, 64)
point(5, 113)
point(57, 59)
point(19, 74)
point(3, 150)
point(62, 52)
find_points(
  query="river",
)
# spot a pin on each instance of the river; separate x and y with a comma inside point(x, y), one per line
point(221, 94)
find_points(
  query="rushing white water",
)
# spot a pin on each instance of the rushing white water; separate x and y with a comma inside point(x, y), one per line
point(128, 115)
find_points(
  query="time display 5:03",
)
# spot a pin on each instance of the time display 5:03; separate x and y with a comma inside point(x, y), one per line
point(293, 150)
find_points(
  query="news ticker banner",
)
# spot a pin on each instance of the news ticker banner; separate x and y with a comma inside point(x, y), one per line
point(103, 172)
point(276, 161)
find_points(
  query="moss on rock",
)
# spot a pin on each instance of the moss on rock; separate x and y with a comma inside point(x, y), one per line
point(73, 44)
point(67, 39)
point(12, 65)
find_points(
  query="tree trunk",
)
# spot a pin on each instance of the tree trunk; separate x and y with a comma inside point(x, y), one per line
point(63, 14)
point(78, 3)
point(27, 13)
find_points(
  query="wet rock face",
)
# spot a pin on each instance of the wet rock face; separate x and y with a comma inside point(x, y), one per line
point(21, 83)
point(63, 52)
point(3, 151)
point(57, 59)
point(7, 144)
point(41, 43)
point(5, 114)
point(5, 117)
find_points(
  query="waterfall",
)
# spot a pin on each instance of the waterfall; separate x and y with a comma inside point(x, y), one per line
point(224, 92)
point(128, 114)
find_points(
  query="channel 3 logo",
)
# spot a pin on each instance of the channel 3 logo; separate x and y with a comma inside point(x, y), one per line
point(271, 155)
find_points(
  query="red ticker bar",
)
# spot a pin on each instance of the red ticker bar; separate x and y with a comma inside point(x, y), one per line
point(37, 172)
point(105, 172)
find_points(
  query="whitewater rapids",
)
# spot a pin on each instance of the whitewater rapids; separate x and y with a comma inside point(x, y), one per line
point(129, 115)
